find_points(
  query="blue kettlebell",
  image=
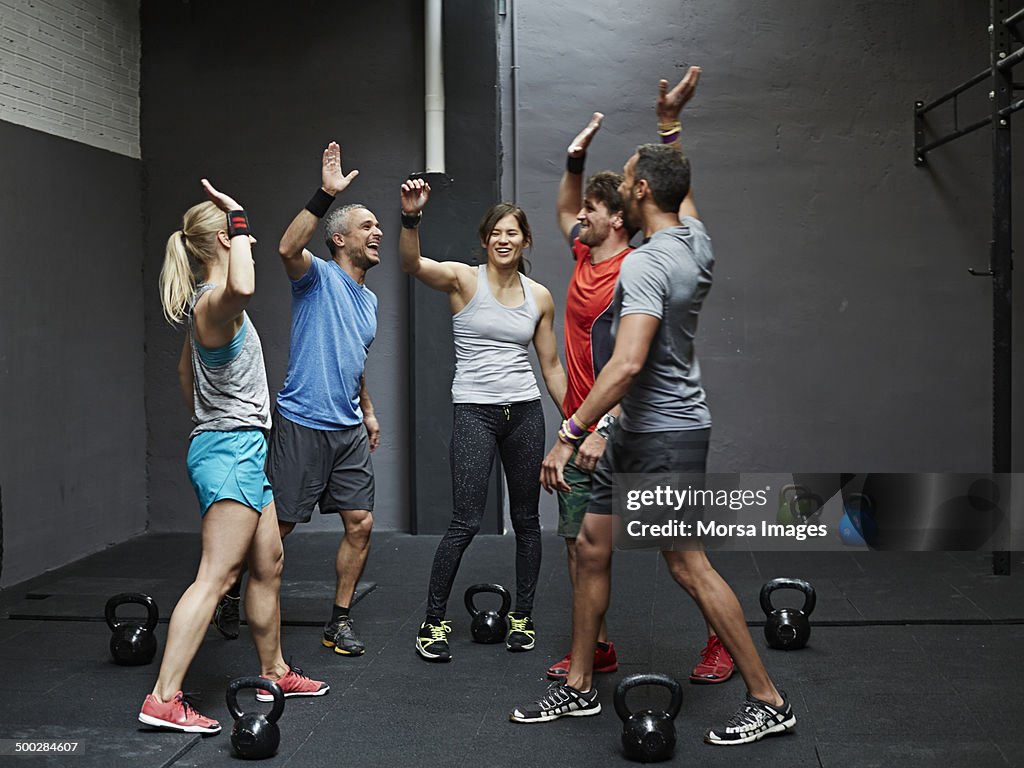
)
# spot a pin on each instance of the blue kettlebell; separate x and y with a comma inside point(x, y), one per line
point(850, 522)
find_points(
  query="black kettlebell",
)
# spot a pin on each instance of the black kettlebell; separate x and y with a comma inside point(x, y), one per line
point(787, 628)
point(132, 643)
point(648, 736)
point(255, 735)
point(488, 626)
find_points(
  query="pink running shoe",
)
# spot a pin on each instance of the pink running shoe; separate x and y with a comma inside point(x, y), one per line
point(295, 683)
point(177, 714)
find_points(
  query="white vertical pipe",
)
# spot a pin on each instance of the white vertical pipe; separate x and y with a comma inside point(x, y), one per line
point(433, 69)
point(515, 104)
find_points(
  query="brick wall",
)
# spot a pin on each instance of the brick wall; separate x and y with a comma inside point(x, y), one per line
point(71, 68)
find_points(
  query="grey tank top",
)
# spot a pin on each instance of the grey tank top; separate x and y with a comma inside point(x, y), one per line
point(492, 366)
point(229, 390)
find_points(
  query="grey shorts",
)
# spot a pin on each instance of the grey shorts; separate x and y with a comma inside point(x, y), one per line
point(314, 466)
point(645, 453)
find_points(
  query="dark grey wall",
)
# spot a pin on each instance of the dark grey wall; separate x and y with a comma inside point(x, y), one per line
point(449, 233)
point(843, 330)
point(252, 110)
point(72, 424)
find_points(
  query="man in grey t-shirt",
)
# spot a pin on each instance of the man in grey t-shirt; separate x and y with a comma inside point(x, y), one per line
point(664, 427)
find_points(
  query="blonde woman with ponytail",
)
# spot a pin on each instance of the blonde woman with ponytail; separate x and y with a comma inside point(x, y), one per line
point(206, 283)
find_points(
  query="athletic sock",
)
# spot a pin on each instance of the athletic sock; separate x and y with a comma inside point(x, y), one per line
point(339, 612)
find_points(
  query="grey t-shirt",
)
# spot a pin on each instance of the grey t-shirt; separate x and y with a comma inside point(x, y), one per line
point(668, 278)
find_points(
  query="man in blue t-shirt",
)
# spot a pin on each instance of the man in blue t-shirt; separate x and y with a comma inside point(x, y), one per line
point(324, 427)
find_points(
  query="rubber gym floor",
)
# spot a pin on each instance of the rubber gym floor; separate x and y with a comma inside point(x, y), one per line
point(913, 660)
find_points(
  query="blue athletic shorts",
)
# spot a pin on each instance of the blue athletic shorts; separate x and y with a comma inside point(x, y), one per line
point(230, 465)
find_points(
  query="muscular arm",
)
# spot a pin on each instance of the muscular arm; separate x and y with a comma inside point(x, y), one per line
point(570, 188)
point(439, 275)
point(218, 315)
point(447, 276)
point(547, 347)
point(632, 344)
point(185, 375)
point(668, 106)
point(294, 256)
point(369, 416)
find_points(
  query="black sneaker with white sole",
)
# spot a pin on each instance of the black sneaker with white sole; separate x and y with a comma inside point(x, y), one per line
point(560, 700)
point(521, 635)
point(432, 641)
point(754, 720)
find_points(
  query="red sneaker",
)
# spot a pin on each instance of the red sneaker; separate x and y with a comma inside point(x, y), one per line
point(605, 660)
point(295, 683)
point(715, 666)
point(177, 714)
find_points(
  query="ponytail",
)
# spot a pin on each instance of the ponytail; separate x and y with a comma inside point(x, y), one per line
point(196, 238)
point(177, 281)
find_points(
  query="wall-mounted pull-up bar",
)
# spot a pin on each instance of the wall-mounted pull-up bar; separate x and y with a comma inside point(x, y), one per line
point(999, 75)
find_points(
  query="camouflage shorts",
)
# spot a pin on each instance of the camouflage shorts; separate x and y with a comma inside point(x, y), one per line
point(572, 506)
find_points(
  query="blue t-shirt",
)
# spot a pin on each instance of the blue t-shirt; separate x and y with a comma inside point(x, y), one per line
point(334, 320)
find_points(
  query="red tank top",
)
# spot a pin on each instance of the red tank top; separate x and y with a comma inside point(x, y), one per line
point(588, 322)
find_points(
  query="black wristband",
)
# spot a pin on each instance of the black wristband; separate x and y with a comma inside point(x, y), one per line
point(320, 203)
point(238, 223)
point(575, 164)
point(411, 220)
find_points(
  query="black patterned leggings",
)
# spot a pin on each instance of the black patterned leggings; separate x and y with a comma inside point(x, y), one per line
point(517, 432)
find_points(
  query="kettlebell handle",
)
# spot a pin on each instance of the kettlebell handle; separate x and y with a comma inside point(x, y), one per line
point(858, 499)
point(648, 678)
point(804, 495)
point(810, 598)
point(255, 682)
point(787, 489)
point(152, 613)
point(476, 589)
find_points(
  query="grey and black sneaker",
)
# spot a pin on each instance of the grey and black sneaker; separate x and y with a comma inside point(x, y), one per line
point(225, 616)
point(521, 635)
point(754, 720)
point(340, 635)
point(560, 701)
point(432, 641)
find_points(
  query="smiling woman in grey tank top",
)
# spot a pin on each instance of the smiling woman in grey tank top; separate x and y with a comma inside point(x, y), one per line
point(496, 312)
point(492, 363)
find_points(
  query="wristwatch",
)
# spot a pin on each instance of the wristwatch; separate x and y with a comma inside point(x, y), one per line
point(605, 425)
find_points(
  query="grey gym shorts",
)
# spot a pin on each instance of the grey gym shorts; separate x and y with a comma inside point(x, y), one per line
point(307, 467)
point(645, 453)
